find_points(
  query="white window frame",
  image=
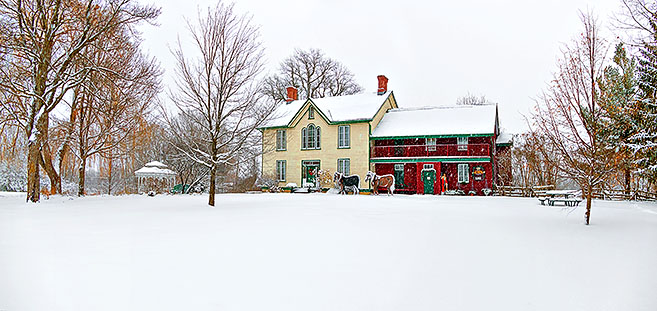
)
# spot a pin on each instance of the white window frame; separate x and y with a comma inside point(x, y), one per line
point(464, 173)
point(431, 144)
point(344, 166)
point(427, 167)
point(344, 132)
point(281, 140)
point(462, 143)
point(399, 167)
point(281, 170)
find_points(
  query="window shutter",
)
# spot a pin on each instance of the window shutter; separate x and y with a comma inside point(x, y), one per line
point(318, 138)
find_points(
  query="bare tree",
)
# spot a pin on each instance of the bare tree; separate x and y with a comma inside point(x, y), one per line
point(44, 38)
point(216, 91)
point(637, 19)
point(472, 100)
point(114, 100)
point(313, 74)
point(568, 112)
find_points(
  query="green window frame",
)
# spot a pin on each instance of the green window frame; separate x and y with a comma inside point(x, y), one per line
point(281, 140)
point(344, 132)
point(311, 137)
point(281, 170)
point(344, 166)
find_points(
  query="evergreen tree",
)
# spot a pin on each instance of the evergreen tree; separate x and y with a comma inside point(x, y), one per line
point(618, 88)
point(644, 140)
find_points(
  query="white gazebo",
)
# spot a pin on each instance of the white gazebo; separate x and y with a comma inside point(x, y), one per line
point(155, 175)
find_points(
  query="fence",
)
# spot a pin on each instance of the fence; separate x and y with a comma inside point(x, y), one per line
point(621, 195)
point(616, 195)
point(513, 191)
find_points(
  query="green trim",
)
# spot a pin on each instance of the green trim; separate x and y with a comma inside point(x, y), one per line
point(284, 175)
point(418, 160)
point(338, 165)
point(302, 164)
point(431, 136)
point(302, 138)
point(349, 138)
point(350, 121)
point(284, 149)
point(504, 144)
point(302, 111)
point(382, 104)
point(273, 127)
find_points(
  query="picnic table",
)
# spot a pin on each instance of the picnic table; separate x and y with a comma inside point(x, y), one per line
point(565, 196)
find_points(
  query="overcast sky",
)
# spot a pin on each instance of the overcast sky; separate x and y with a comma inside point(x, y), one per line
point(432, 51)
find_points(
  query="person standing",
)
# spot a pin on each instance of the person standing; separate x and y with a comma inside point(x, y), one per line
point(443, 183)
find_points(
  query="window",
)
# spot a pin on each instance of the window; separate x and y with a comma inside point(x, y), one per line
point(431, 144)
point(280, 170)
point(399, 167)
point(343, 166)
point(462, 143)
point(343, 136)
point(281, 140)
point(464, 173)
point(311, 112)
point(427, 167)
point(311, 137)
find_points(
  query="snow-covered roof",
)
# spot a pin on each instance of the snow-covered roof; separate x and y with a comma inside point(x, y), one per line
point(155, 168)
point(438, 120)
point(337, 108)
point(151, 171)
point(156, 164)
point(504, 138)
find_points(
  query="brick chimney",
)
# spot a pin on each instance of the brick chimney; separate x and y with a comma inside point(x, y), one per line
point(383, 85)
point(292, 94)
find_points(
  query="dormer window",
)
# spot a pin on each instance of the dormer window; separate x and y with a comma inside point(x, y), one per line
point(311, 112)
point(462, 143)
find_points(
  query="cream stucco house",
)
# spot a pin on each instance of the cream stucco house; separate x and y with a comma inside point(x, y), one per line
point(331, 133)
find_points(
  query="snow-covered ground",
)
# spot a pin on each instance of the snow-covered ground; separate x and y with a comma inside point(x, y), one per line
point(324, 252)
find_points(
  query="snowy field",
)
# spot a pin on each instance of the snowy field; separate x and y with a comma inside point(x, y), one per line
point(324, 252)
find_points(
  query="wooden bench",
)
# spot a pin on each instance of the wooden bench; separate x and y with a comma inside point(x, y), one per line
point(567, 202)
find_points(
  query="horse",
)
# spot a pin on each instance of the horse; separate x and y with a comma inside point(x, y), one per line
point(387, 181)
point(343, 182)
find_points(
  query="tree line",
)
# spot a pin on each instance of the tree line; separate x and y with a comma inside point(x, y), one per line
point(76, 90)
point(595, 124)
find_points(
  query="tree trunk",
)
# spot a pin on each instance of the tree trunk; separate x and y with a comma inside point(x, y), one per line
point(34, 158)
point(55, 178)
point(81, 176)
point(33, 185)
point(628, 180)
point(589, 198)
point(109, 178)
point(213, 173)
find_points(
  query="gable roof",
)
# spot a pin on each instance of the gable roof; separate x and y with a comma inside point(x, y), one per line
point(438, 121)
point(358, 107)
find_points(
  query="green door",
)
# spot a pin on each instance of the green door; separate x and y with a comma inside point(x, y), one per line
point(399, 176)
point(308, 171)
point(428, 178)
